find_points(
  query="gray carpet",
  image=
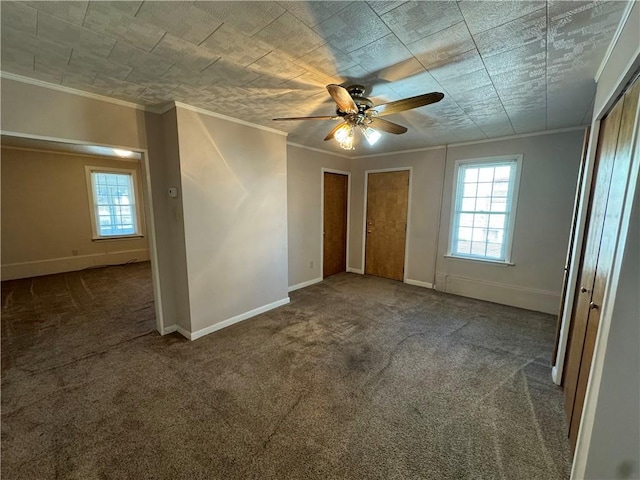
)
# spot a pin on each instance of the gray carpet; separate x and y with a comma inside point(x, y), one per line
point(358, 377)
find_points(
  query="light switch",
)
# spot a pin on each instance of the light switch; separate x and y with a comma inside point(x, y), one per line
point(173, 192)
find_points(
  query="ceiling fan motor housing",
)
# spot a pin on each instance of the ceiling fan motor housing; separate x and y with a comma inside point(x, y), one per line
point(363, 103)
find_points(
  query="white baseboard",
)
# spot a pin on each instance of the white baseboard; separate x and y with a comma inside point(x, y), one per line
point(513, 295)
point(169, 329)
point(298, 286)
point(37, 268)
point(418, 283)
point(230, 321)
point(355, 270)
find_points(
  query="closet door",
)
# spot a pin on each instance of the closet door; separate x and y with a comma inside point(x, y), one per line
point(613, 161)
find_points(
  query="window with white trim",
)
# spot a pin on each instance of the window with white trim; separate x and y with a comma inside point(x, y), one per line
point(113, 200)
point(484, 207)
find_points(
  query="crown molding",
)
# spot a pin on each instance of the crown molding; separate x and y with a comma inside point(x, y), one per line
point(520, 135)
point(614, 40)
point(314, 149)
point(225, 117)
point(73, 91)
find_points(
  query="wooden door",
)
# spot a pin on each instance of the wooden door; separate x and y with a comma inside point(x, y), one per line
point(334, 248)
point(606, 204)
point(386, 228)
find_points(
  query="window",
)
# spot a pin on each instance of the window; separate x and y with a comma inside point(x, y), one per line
point(112, 195)
point(484, 206)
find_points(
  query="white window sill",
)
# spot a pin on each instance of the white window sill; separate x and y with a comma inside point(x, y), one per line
point(481, 260)
point(117, 237)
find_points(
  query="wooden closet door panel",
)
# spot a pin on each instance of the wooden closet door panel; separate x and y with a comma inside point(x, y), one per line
point(615, 204)
point(605, 157)
point(387, 205)
point(334, 250)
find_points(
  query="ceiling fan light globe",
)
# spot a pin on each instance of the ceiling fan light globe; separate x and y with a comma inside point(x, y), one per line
point(343, 133)
point(371, 135)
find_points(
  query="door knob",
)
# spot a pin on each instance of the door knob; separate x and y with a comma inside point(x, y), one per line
point(583, 290)
point(369, 231)
point(593, 306)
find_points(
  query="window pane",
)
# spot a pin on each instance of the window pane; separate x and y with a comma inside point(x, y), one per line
point(481, 220)
point(468, 204)
point(503, 173)
point(485, 174)
point(464, 233)
point(471, 175)
point(483, 204)
point(114, 199)
point(470, 189)
point(478, 248)
point(464, 248)
point(479, 235)
point(496, 221)
point(500, 189)
point(499, 205)
point(494, 250)
point(466, 220)
point(495, 235)
point(484, 189)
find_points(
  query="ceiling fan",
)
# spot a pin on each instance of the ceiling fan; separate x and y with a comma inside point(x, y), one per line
point(358, 112)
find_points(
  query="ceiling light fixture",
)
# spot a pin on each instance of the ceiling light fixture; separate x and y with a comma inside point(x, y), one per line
point(370, 134)
point(344, 136)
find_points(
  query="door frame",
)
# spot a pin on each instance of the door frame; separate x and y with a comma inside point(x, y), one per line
point(364, 215)
point(339, 172)
point(150, 229)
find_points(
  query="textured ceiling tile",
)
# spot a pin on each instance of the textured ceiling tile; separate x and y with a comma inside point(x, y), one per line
point(452, 68)
point(155, 96)
point(415, 85)
point(528, 120)
point(312, 13)
point(383, 54)
point(116, 87)
point(415, 20)
point(65, 33)
point(354, 27)
point(29, 46)
point(134, 57)
point(181, 19)
point(230, 74)
point(16, 60)
point(497, 129)
point(382, 7)
point(439, 47)
point(326, 60)
point(531, 28)
point(277, 65)
point(567, 106)
point(526, 62)
point(85, 62)
point(298, 40)
point(579, 36)
point(484, 15)
point(73, 11)
point(19, 16)
point(116, 19)
point(233, 45)
point(250, 17)
point(180, 51)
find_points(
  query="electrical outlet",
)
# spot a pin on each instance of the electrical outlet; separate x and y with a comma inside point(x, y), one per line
point(311, 264)
point(74, 253)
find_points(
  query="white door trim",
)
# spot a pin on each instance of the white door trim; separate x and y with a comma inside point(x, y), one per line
point(364, 215)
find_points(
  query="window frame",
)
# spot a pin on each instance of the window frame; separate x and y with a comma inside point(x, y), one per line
point(512, 204)
point(91, 191)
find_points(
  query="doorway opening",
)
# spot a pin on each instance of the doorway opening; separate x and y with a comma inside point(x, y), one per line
point(335, 190)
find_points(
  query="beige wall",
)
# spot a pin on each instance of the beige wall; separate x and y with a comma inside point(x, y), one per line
point(46, 222)
point(234, 194)
point(424, 209)
point(542, 222)
point(304, 209)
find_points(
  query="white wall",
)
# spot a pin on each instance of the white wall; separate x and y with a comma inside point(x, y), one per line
point(46, 220)
point(304, 209)
point(424, 208)
point(542, 223)
point(234, 195)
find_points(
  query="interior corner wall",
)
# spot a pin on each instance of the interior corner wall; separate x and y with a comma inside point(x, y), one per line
point(234, 195)
point(424, 209)
point(46, 215)
point(30, 110)
point(542, 224)
point(304, 210)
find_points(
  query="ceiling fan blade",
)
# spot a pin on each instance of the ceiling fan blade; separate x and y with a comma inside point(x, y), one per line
point(333, 131)
point(387, 126)
point(408, 103)
point(342, 98)
point(325, 117)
